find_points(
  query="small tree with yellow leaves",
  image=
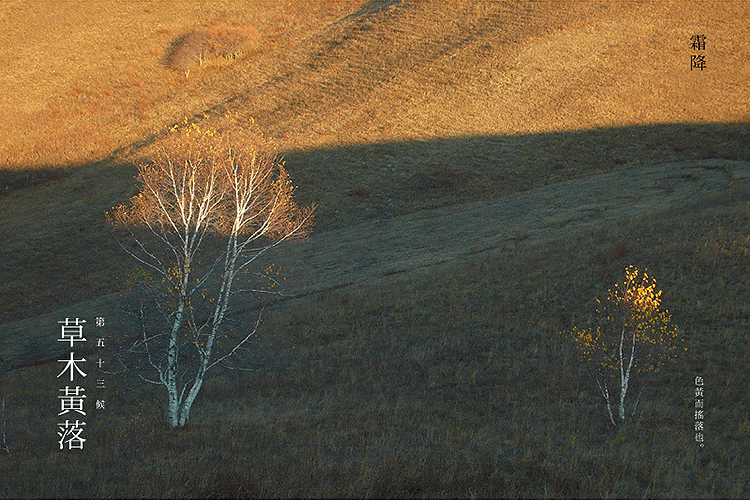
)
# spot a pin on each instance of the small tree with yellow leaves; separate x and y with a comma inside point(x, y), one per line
point(632, 335)
point(202, 183)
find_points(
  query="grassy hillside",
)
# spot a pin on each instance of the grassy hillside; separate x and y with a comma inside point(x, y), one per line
point(448, 379)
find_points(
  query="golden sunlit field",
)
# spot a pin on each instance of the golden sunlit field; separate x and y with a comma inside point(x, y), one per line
point(484, 171)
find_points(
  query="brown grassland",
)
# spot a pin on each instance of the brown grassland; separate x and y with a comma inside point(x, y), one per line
point(447, 373)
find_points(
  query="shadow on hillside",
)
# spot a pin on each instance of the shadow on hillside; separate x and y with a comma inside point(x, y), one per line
point(57, 261)
point(13, 180)
point(356, 183)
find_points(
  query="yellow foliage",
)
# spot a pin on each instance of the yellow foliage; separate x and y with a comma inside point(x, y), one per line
point(631, 318)
point(204, 179)
point(139, 274)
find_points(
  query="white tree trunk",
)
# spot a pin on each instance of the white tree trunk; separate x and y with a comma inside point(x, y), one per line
point(171, 375)
point(623, 391)
point(625, 374)
point(189, 399)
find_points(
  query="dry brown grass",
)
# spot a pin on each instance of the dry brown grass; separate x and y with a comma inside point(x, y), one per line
point(451, 381)
point(93, 76)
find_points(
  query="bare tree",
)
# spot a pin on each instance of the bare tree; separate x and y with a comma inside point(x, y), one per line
point(632, 335)
point(202, 183)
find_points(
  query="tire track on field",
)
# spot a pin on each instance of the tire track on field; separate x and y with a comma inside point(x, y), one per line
point(398, 49)
point(373, 250)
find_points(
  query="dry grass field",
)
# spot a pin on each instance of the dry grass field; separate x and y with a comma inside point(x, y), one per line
point(483, 172)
